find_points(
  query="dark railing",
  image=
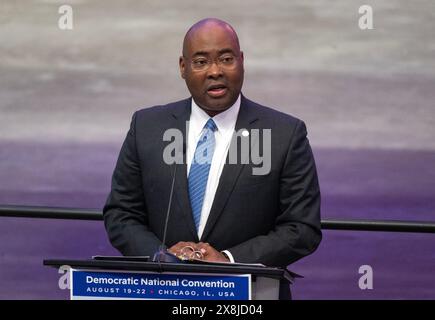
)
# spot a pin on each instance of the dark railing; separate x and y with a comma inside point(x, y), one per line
point(50, 213)
point(327, 224)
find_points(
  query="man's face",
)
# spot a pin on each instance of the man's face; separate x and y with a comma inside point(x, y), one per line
point(213, 79)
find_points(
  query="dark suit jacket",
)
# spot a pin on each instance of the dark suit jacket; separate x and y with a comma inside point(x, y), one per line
point(272, 219)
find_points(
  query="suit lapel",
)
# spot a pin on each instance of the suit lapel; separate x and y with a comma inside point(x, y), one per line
point(182, 115)
point(230, 172)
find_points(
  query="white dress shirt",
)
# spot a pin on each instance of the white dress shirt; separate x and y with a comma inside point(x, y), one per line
point(225, 123)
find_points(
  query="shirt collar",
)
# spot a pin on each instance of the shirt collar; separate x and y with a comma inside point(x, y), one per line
point(225, 121)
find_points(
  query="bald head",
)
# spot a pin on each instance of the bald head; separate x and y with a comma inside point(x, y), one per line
point(212, 65)
point(209, 24)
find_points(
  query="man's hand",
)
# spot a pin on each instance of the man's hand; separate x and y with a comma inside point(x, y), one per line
point(210, 253)
point(184, 249)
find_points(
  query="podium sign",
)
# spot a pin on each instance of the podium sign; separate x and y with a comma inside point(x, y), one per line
point(132, 278)
point(94, 284)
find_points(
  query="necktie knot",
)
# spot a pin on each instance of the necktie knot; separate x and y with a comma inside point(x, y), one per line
point(210, 125)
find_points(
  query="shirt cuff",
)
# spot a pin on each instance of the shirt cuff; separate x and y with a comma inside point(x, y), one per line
point(229, 255)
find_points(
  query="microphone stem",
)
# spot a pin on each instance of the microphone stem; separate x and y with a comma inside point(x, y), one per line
point(169, 207)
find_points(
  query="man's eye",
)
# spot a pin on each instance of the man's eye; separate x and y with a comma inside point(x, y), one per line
point(200, 62)
point(227, 59)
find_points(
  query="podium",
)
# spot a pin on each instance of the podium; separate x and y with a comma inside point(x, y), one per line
point(127, 278)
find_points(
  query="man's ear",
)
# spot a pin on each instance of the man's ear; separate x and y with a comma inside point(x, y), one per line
point(182, 67)
point(242, 58)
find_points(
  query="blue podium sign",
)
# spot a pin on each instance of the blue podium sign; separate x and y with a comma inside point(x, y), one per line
point(91, 284)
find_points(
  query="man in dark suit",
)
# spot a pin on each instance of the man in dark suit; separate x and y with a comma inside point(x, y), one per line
point(226, 210)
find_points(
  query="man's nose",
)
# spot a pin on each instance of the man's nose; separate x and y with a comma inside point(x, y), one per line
point(215, 70)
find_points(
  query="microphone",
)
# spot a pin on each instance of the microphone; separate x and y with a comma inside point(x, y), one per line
point(163, 255)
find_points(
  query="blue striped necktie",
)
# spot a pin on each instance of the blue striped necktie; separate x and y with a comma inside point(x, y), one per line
point(199, 169)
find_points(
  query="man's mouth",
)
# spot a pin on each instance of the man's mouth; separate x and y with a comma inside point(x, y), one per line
point(217, 90)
